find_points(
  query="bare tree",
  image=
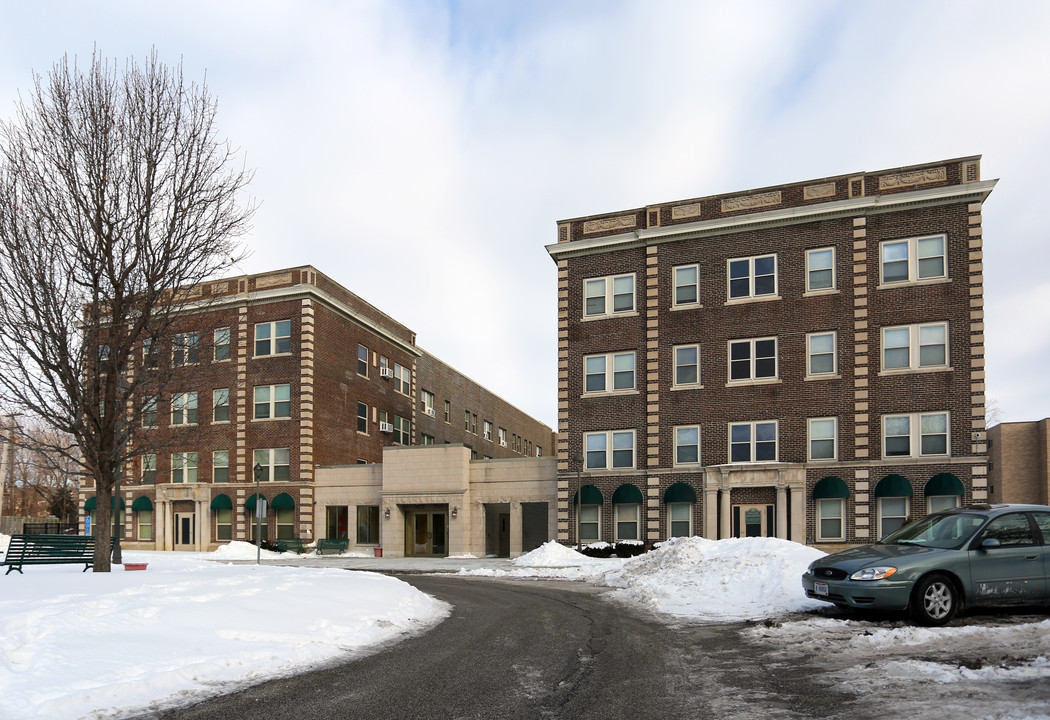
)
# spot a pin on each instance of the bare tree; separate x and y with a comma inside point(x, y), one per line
point(117, 200)
point(40, 484)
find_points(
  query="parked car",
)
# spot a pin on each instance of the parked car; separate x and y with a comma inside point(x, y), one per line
point(987, 555)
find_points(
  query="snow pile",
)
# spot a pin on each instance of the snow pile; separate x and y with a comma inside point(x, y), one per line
point(240, 550)
point(555, 555)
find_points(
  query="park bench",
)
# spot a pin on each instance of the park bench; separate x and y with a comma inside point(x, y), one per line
point(49, 550)
point(292, 544)
point(337, 544)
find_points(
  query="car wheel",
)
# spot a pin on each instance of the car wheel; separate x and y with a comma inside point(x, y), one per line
point(934, 601)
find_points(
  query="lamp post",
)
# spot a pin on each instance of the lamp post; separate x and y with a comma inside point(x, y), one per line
point(258, 469)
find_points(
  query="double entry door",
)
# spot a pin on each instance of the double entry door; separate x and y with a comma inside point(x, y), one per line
point(426, 532)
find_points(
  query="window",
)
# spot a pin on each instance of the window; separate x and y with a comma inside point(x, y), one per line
point(149, 412)
point(936, 503)
point(753, 441)
point(149, 469)
point(687, 445)
point(184, 467)
point(589, 521)
point(608, 296)
point(274, 464)
point(1010, 530)
point(503, 437)
point(428, 403)
point(915, 435)
point(893, 514)
point(184, 409)
point(403, 380)
point(220, 466)
point(830, 521)
point(687, 365)
point(145, 522)
point(273, 338)
point(402, 430)
point(753, 277)
point(367, 524)
point(680, 520)
point(754, 359)
point(223, 524)
point(336, 517)
point(607, 373)
point(823, 433)
point(425, 439)
point(686, 285)
point(821, 358)
point(913, 260)
point(448, 412)
point(598, 455)
point(487, 429)
point(627, 521)
point(362, 418)
point(466, 420)
point(149, 353)
point(273, 401)
point(384, 418)
point(186, 349)
point(221, 345)
point(362, 361)
point(285, 523)
point(474, 424)
point(221, 404)
point(913, 347)
point(820, 269)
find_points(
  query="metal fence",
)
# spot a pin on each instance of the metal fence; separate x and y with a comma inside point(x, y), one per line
point(50, 528)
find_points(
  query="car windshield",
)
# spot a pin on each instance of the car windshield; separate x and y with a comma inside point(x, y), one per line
point(940, 531)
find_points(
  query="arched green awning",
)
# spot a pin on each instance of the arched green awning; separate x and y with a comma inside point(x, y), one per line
point(222, 502)
point(249, 504)
point(944, 484)
point(283, 501)
point(893, 486)
point(830, 487)
point(627, 495)
point(142, 504)
point(590, 496)
point(91, 504)
point(680, 493)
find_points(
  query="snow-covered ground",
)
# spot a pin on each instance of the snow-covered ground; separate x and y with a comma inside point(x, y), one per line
point(79, 645)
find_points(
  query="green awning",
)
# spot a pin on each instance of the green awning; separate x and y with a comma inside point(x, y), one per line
point(944, 484)
point(283, 501)
point(249, 504)
point(92, 504)
point(830, 487)
point(590, 496)
point(627, 495)
point(893, 486)
point(680, 493)
point(222, 502)
point(142, 504)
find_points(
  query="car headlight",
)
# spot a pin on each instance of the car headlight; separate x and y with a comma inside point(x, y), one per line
point(873, 573)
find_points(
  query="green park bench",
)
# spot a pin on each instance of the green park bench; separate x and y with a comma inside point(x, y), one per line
point(49, 550)
point(337, 544)
point(290, 544)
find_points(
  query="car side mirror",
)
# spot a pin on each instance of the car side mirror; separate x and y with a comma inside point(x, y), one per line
point(990, 543)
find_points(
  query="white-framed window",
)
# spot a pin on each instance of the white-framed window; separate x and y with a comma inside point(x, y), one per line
point(184, 409)
point(915, 347)
point(628, 517)
point(149, 412)
point(607, 296)
point(752, 277)
point(753, 359)
point(402, 430)
point(184, 467)
point(362, 361)
point(274, 462)
point(687, 445)
point(145, 523)
point(823, 438)
point(362, 418)
point(820, 269)
point(428, 402)
point(679, 520)
point(185, 350)
point(915, 435)
point(686, 365)
point(821, 354)
point(914, 259)
point(220, 466)
point(448, 412)
point(612, 450)
point(936, 503)
point(893, 514)
point(831, 519)
point(425, 439)
point(608, 373)
point(273, 402)
point(487, 427)
point(223, 524)
point(403, 379)
point(753, 441)
point(220, 405)
point(503, 437)
point(273, 338)
point(590, 522)
point(221, 344)
point(285, 519)
point(686, 286)
point(149, 469)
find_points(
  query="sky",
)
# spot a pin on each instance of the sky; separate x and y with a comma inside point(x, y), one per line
point(420, 153)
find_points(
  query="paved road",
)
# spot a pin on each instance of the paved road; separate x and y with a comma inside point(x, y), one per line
point(528, 649)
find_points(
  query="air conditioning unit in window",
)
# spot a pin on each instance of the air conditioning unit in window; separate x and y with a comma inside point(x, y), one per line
point(386, 427)
point(503, 443)
point(386, 373)
point(429, 412)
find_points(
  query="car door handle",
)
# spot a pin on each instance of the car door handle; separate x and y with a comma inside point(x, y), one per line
point(1031, 557)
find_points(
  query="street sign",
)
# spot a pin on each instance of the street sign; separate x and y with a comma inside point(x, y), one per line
point(260, 507)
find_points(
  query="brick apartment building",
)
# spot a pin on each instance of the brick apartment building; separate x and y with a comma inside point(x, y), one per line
point(803, 361)
point(1019, 462)
point(291, 372)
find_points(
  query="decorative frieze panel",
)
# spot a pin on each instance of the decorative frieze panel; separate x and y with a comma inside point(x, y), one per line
point(621, 222)
point(751, 202)
point(815, 192)
point(682, 212)
point(912, 177)
point(273, 280)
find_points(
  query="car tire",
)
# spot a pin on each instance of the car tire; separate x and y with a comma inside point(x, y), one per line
point(934, 601)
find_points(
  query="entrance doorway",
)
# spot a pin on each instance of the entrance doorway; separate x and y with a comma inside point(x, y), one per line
point(753, 521)
point(185, 531)
point(426, 533)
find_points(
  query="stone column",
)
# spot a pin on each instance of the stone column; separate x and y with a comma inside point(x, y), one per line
point(782, 514)
point(515, 528)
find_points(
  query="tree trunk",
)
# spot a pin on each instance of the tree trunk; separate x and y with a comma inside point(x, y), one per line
point(103, 528)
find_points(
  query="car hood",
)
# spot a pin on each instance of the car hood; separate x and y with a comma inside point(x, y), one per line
point(871, 555)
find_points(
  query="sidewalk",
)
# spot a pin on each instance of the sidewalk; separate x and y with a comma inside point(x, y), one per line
point(414, 565)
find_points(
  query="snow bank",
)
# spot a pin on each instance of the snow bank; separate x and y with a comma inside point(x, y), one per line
point(555, 555)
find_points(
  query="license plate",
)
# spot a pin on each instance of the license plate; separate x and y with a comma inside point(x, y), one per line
point(820, 588)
